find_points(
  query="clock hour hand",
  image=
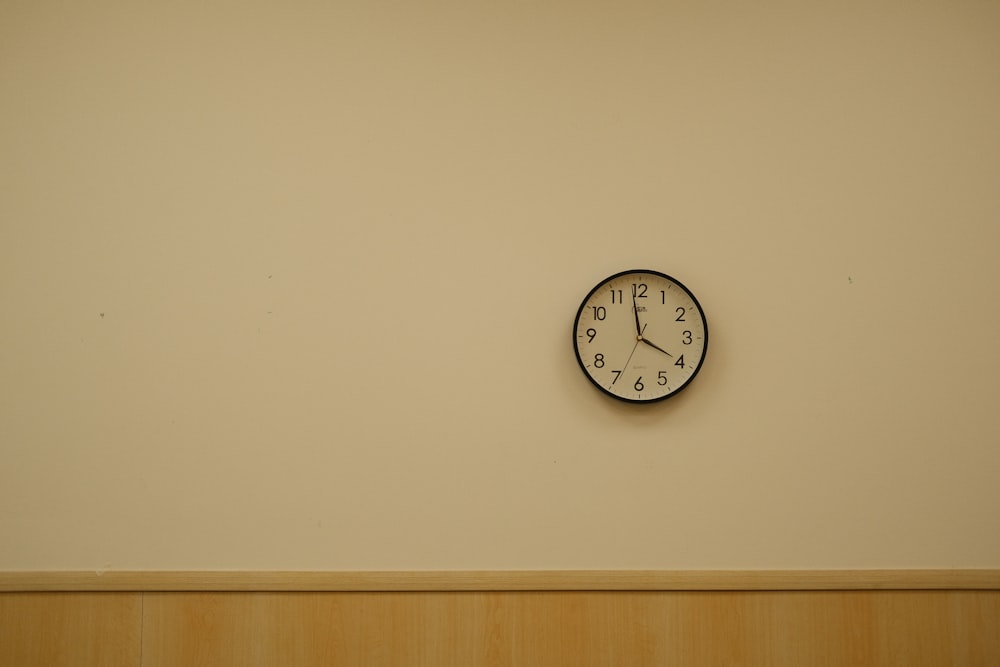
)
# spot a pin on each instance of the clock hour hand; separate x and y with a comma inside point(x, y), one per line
point(655, 346)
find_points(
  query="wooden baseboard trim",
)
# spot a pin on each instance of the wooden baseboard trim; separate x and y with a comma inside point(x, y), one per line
point(507, 580)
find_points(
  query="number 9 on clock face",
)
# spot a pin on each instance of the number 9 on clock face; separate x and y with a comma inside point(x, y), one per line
point(640, 336)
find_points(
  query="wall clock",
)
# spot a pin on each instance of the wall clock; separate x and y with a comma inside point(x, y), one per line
point(640, 336)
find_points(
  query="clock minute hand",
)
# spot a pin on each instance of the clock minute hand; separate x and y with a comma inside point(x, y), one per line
point(655, 346)
point(635, 311)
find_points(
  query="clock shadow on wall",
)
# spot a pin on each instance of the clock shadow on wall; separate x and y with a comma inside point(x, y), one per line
point(640, 337)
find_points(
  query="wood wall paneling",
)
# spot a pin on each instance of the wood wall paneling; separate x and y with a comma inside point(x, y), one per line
point(478, 628)
point(70, 629)
point(911, 628)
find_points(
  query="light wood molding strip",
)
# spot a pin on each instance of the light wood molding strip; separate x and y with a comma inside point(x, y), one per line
point(505, 580)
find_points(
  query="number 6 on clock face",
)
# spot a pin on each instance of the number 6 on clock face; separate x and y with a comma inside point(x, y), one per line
point(640, 336)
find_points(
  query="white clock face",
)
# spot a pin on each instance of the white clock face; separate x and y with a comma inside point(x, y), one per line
point(640, 336)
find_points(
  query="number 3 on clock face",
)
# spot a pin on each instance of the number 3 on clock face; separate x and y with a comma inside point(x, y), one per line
point(640, 336)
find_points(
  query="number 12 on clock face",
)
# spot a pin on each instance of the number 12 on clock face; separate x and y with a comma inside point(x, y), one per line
point(640, 336)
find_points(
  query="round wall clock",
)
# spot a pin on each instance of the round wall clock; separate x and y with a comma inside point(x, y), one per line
point(640, 336)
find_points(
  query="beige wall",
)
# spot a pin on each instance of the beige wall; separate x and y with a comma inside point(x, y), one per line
point(285, 286)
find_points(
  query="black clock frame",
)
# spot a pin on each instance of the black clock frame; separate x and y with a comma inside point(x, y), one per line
point(576, 347)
